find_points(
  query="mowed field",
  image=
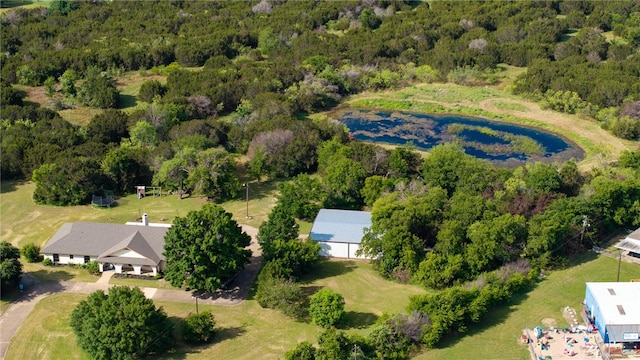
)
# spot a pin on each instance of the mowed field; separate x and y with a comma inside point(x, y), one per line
point(245, 331)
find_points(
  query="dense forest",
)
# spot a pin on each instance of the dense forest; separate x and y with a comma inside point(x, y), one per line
point(242, 76)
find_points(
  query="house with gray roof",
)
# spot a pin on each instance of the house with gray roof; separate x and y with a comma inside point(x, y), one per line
point(136, 247)
point(339, 232)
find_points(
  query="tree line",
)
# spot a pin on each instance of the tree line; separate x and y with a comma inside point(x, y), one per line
point(333, 49)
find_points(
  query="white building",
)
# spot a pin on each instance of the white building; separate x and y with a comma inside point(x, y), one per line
point(614, 307)
point(136, 247)
point(339, 232)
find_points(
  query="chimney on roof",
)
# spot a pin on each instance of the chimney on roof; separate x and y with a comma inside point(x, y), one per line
point(145, 219)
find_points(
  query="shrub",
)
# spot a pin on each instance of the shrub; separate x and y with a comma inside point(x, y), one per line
point(198, 328)
point(93, 267)
point(304, 351)
point(47, 262)
point(31, 252)
point(326, 307)
point(150, 89)
point(277, 291)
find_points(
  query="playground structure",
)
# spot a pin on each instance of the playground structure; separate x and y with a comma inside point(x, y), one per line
point(143, 190)
point(105, 200)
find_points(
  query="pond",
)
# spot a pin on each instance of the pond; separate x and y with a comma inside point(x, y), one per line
point(502, 143)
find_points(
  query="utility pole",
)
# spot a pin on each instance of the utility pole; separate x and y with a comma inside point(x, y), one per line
point(619, 260)
point(246, 187)
point(585, 225)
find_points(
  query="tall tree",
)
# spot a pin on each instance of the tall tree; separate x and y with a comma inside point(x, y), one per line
point(280, 225)
point(10, 266)
point(121, 325)
point(204, 249)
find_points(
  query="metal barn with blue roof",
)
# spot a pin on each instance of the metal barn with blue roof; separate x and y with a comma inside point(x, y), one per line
point(339, 232)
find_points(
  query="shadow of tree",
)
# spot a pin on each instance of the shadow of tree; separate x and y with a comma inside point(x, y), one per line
point(328, 268)
point(228, 333)
point(357, 320)
point(56, 275)
point(9, 185)
point(126, 101)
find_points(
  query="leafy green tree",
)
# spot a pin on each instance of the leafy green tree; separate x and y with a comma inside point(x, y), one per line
point(303, 195)
point(143, 134)
point(9, 95)
point(276, 290)
point(369, 19)
point(303, 351)
point(109, 126)
point(326, 307)
point(62, 7)
point(199, 328)
point(67, 82)
point(374, 187)
point(404, 162)
point(174, 172)
point(127, 167)
point(98, 90)
point(49, 86)
point(280, 225)
point(68, 181)
point(214, 175)
point(204, 249)
point(136, 327)
point(495, 242)
point(150, 89)
point(26, 76)
point(297, 256)
point(336, 345)
point(343, 182)
point(10, 266)
point(630, 159)
point(31, 253)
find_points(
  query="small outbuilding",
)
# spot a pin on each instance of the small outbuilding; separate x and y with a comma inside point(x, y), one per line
point(339, 232)
point(631, 244)
point(135, 246)
point(614, 307)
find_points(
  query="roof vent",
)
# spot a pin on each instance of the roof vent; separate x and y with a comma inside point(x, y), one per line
point(621, 310)
point(611, 291)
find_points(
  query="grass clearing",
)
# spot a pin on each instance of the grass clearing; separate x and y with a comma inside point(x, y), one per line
point(8, 5)
point(24, 221)
point(245, 331)
point(59, 273)
point(501, 329)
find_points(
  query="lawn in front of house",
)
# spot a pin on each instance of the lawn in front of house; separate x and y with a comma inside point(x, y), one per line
point(245, 331)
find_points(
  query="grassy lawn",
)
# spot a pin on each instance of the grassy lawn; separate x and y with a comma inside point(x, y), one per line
point(26, 4)
point(497, 337)
point(59, 273)
point(246, 331)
